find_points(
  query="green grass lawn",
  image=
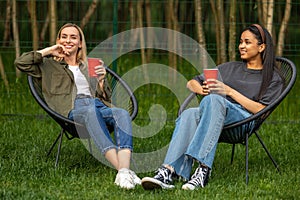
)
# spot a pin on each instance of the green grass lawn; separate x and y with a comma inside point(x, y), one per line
point(26, 173)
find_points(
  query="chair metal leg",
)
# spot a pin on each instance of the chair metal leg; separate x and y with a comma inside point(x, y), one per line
point(247, 155)
point(232, 153)
point(59, 147)
point(267, 151)
point(53, 145)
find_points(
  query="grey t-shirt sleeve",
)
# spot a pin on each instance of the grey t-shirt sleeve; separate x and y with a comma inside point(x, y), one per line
point(274, 90)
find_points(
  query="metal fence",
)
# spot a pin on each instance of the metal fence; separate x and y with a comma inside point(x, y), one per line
point(112, 17)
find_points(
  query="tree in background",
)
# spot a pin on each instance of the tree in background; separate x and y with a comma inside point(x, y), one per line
point(218, 13)
point(16, 34)
point(199, 29)
point(7, 23)
point(34, 27)
point(209, 22)
point(171, 9)
point(150, 40)
point(52, 21)
point(283, 28)
point(88, 14)
point(232, 31)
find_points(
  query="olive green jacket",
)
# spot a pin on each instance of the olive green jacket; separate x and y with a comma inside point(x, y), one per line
point(58, 85)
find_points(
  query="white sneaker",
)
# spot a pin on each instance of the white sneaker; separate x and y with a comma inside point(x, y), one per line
point(125, 179)
point(136, 179)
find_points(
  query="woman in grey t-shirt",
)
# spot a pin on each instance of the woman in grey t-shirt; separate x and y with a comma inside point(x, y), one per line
point(247, 87)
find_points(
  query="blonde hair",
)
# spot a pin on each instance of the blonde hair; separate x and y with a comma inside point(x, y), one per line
point(82, 52)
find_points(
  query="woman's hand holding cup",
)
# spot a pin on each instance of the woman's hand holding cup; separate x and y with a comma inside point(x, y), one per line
point(100, 70)
point(96, 68)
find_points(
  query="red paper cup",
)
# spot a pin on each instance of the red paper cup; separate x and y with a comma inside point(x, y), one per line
point(210, 74)
point(92, 63)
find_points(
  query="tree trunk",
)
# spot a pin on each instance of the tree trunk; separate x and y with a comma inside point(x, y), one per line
point(140, 25)
point(34, 27)
point(16, 34)
point(242, 13)
point(172, 24)
point(123, 9)
point(264, 12)
point(270, 16)
point(142, 37)
point(199, 24)
point(222, 45)
point(6, 35)
point(260, 11)
point(132, 15)
point(88, 14)
point(44, 28)
point(217, 29)
point(168, 14)
point(200, 33)
point(133, 20)
point(53, 21)
point(149, 24)
point(3, 75)
point(232, 31)
point(176, 42)
point(283, 27)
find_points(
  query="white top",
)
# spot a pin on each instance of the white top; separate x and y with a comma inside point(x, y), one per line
point(80, 81)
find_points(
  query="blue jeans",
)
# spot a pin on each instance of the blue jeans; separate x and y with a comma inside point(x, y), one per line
point(99, 120)
point(197, 132)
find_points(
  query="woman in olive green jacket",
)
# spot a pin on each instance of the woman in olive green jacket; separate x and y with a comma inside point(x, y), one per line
point(67, 89)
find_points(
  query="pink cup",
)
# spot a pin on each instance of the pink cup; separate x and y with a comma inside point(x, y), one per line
point(210, 74)
point(92, 63)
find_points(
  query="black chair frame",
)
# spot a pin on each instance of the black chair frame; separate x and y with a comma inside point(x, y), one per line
point(70, 128)
point(288, 71)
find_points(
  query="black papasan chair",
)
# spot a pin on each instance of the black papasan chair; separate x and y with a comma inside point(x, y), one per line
point(288, 71)
point(72, 129)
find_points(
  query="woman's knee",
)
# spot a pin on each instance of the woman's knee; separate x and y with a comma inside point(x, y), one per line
point(120, 112)
point(212, 99)
point(189, 112)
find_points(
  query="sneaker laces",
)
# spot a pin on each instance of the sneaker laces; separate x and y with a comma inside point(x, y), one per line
point(198, 177)
point(163, 174)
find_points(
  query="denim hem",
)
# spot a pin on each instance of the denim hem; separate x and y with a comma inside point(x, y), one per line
point(181, 175)
point(125, 147)
point(108, 148)
point(200, 161)
point(180, 172)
